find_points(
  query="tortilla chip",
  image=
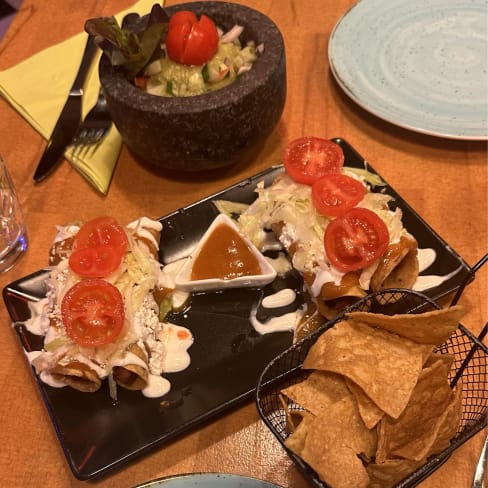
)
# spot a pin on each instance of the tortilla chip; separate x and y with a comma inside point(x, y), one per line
point(448, 359)
point(398, 267)
point(318, 391)
point(293, 417)
point(383, 365)
point(369, 411)
point(433, 327)
point(449, 422)
point(334, 442)
point(412, 435)
point(339, 467)
point(296, 441)
point(390, 472)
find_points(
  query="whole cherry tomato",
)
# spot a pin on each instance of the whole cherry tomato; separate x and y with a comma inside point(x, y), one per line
point(355, 240)
point(309, 158)
point(191, 41)
point(93, 313)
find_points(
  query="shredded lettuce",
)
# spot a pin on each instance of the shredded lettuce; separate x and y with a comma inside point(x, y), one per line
point(142, 272)
point(60, 341)
point(232, 209)
point(363, 174)
point(290, 204)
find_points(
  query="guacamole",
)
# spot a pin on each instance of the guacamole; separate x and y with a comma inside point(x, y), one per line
point(171, 79)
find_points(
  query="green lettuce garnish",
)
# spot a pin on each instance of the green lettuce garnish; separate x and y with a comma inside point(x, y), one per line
point(130, 50)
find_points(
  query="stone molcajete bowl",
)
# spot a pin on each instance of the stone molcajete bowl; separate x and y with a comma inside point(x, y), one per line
point(206, 131)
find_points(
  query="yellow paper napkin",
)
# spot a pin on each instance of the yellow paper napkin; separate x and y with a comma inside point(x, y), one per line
point(38, 87)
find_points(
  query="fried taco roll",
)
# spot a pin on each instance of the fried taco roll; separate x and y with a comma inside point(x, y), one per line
point(287, 209)
point(131, 370)
point(78, 375)
point(398, 267)
point(331, 297)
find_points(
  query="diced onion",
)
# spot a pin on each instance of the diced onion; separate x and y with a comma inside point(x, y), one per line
point(233, 34)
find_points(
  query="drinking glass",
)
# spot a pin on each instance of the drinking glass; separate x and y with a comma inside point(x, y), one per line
point(13, 236)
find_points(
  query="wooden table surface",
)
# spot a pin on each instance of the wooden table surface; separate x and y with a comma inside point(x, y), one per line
point(445, 181)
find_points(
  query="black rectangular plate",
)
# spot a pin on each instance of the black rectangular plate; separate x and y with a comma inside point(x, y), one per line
point(228, 356)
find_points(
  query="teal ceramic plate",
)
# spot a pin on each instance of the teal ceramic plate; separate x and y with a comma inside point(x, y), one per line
point(207, 480)
point(421, 65)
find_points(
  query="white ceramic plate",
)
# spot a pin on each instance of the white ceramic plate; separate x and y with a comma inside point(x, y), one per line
point(207, 480)
point(419, 64)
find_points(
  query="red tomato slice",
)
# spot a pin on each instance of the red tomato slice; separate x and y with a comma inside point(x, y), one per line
point(335, 194)
point(93, 313)
point(95, 262)
point(355, 240)
point(309, 158)
point(102, 231)
point(190, 41)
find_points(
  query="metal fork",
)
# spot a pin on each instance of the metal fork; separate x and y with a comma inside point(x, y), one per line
point(93, 129)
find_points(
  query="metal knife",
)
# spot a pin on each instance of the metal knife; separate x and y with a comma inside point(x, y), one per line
point(479, 475)
point(69, 120)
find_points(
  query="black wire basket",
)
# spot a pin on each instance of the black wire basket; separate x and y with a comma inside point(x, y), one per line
point(470, 364)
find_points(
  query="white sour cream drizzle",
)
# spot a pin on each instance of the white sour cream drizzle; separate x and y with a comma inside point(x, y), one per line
point(425, 258)
point(157, 386)
point(65, 232)
point(143, 226)
point(167, 280)
point(38, 324)
point(279, 299)
point(45, 376)
point(177, 341)
point(283, 323)
point(322, 276)
point(286, 322)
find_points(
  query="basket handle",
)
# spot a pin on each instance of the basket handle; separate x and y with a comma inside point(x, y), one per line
point(478, 343)
point(467, 279)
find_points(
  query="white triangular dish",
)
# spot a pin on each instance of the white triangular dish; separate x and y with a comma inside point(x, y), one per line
point(184, 282)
